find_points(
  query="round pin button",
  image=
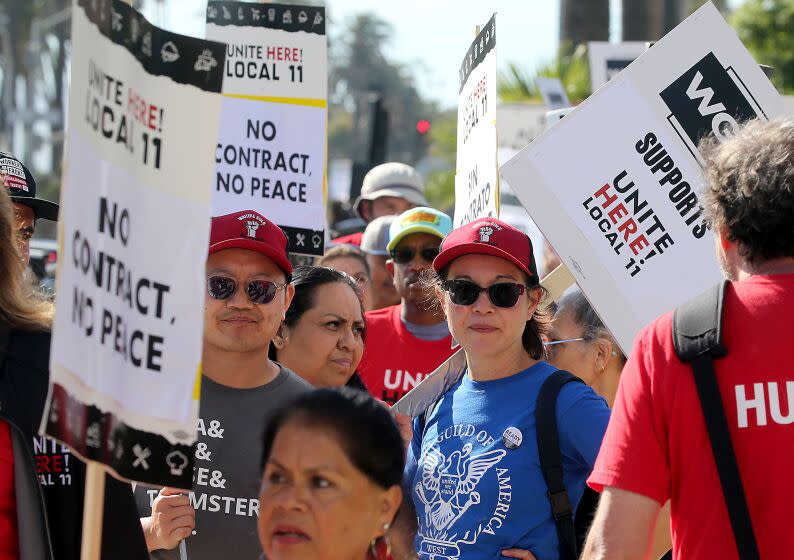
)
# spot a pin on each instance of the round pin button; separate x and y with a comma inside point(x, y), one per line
point(512, 437)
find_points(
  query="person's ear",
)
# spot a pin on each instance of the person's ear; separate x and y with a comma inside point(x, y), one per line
point(390, 503)
point(365, 210)
point(533, 300)
point(390, 266)
point(282, 337)
point(724, 239)
point(289, 293)
point(604, 350)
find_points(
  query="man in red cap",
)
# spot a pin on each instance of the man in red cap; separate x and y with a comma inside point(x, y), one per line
point(248, 293)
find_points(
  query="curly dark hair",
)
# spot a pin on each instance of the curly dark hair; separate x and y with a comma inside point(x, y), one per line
point(749, 190)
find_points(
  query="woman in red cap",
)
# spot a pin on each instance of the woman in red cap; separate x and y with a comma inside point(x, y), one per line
point(474, 466)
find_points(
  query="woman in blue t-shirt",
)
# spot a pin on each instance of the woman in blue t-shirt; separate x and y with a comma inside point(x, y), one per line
point(473, 468)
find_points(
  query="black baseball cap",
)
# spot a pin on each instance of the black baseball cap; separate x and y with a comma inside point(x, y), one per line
point(22, 187)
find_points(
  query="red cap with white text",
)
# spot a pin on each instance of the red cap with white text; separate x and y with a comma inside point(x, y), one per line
point(250, 230)
point(489, 236)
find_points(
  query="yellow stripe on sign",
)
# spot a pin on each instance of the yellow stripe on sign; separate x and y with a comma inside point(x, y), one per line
point(323, 103)
point(197, 384)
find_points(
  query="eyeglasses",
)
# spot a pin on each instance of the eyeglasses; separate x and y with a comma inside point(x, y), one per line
point(502, 294)
point(552, 346)
point(258, 291)
point(404, 255)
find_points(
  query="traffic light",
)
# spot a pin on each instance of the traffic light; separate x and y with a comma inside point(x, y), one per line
point(423, 126)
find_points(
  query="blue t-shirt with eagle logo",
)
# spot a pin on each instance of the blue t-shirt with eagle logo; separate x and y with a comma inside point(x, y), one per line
point(475, 475)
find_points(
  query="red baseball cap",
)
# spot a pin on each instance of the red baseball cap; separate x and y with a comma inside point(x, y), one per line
point(250, 230)
point(489, 236)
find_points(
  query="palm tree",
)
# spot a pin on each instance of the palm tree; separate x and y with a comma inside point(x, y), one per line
point(570, 66)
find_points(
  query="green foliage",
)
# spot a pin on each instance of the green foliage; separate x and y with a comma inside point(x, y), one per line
point(766, 27)
point(358, 66)
point(516, 85)
point(570, 66)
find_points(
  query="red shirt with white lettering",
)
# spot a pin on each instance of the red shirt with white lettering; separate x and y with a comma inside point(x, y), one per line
point(657, 445)
point(395, 360)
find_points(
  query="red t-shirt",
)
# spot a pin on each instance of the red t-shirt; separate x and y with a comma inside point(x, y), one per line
point(9, 538)
point(657, 445)
point(395, 360)
point(351, 239)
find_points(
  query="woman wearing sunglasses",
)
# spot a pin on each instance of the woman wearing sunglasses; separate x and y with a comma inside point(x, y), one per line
point(473, 464)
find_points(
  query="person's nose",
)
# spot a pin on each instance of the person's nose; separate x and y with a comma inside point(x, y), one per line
point(240, 299)
point(482, 304)
point(289, 497)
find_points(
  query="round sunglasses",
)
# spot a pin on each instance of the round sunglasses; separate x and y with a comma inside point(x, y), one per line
point(501, 294)
point(258, 291)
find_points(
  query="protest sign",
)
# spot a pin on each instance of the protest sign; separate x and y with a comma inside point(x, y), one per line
point(271, 152)
point(553, 92)
point(135, 209)
point(614, 185)
point(607, 59)
point(476, 174)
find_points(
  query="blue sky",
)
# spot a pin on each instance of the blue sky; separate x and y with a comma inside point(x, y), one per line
point(430, 35)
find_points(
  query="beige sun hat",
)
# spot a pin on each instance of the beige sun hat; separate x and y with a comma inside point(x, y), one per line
point(392, 179)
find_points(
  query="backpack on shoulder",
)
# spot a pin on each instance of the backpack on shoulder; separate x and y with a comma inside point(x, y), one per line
point(697, 338)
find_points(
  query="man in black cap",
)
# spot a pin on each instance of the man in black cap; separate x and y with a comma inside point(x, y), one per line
point(27, 208)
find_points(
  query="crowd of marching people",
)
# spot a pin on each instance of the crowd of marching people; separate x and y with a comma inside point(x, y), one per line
point(548, 442)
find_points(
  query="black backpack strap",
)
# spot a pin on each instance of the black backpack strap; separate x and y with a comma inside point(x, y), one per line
point(551, 460)
point(697, 326)
point(697, 337)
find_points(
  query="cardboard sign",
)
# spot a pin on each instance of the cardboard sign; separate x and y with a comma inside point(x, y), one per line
point(553, 92)
point(614, 185)
point(135, 208)
point(476, 175)
point(607, 59)
point(271, 152)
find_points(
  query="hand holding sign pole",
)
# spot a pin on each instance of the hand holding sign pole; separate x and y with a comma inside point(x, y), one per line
point(126, 341)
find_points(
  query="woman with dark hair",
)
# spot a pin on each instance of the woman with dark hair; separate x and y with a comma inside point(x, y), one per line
point(352, 261)
point(332, 464)
point(322, 335)
point(473, 465)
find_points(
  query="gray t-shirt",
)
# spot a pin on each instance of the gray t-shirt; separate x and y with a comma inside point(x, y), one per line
point(226, 476)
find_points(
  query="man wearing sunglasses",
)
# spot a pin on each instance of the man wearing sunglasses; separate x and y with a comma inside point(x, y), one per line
point(248, 293)
point(405, 342)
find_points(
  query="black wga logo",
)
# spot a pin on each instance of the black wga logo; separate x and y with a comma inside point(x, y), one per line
point(708, 100)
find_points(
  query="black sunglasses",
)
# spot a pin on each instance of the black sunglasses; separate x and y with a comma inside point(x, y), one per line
point(404, 255)
point(502, 294)
point(258, 291)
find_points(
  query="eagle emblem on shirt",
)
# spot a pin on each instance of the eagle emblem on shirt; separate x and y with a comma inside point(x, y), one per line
point(448, 485)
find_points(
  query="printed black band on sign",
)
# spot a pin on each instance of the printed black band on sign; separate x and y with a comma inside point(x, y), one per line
point(102, 437)
point(286, 17)
point(482, 45)
point(305, 241)
point(186, 60)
